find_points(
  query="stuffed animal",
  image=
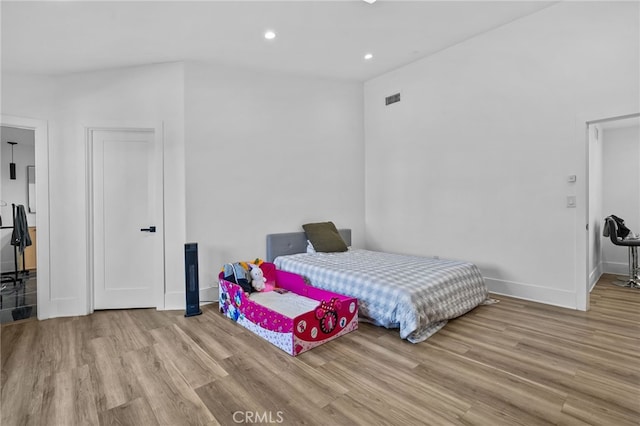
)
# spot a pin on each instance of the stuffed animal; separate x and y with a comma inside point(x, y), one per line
point(257, 277)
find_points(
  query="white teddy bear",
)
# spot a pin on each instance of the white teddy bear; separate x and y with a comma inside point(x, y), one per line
point(257, 277)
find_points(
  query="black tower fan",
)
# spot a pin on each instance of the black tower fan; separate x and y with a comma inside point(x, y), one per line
point(192, 289)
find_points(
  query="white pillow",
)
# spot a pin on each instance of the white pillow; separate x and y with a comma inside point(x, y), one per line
point(310, 248)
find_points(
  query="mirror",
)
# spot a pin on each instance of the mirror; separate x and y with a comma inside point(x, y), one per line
point(31, 188)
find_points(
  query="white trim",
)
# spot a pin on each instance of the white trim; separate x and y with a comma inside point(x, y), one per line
point(176, 300)
point(87, 130)
point(616, 268)
point(581, 253)
point(547, 295)
point(88, 149)
point(594, 276)
point(41, 132)
point(161, 290)
point(609, 119)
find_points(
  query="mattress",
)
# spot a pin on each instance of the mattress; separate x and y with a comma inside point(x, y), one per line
point(288, 304)
point(416, 294)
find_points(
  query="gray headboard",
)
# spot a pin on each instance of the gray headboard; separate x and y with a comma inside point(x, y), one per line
point(294, 242)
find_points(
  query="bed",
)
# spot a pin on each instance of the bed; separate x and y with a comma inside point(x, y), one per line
point(416, 294)
point(294, 316)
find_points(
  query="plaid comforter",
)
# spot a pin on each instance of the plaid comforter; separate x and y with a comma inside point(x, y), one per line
point(416, 294)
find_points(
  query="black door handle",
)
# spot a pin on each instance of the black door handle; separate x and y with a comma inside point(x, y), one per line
point(149, 229)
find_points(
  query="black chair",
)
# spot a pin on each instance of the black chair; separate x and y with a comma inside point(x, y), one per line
point(633, 280)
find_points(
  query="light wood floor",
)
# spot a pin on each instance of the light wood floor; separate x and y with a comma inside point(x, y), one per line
point(511, 363)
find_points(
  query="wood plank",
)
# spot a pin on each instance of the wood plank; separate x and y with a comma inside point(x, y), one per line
point(134, 412)
point(112, 386)
point(25, 369)
point(172, 400)
point(68, 399)
point(214, 343)
point(194, 364)
point(471, 381)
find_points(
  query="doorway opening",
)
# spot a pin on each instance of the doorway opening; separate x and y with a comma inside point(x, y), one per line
point(18, 260)
point(40, 129)
point(614, 189)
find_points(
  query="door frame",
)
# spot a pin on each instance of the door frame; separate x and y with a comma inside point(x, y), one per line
point(158, 132)
point(583, 121)
point(41, 133)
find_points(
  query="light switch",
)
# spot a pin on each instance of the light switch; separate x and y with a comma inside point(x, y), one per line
point(571, 201)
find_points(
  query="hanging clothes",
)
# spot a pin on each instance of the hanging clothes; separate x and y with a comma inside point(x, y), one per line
point(20, 236)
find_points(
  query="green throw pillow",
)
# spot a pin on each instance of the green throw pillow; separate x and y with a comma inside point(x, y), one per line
point(324, 237)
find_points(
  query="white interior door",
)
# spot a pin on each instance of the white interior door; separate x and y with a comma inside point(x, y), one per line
point(128, 265)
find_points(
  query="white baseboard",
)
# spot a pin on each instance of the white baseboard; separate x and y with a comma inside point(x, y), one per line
point(616, 268)
point(594, 276)
point(176, 300)
point(549, 296)
point(69, 307)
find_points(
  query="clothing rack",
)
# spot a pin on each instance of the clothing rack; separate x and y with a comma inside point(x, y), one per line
point(15, 275)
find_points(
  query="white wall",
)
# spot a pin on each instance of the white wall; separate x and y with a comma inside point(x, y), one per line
point(595, 204)
point(266, 153)
point(14, 191)
point(150, 94)
point(621, 183)
point(305, 134)
point(27, 96)
point(473, 162)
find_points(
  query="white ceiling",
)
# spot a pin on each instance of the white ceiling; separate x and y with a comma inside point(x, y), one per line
point(321, 38)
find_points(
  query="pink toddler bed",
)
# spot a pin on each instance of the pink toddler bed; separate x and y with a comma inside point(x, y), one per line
point(293, 316)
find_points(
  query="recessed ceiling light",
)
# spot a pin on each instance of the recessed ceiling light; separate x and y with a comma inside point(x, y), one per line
point(269, 35)
point(368, 56)
point(370, 1)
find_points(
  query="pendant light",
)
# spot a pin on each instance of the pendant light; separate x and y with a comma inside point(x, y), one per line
point(12, 165)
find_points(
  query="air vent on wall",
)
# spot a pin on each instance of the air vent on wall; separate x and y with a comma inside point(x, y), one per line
point(392, 99)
